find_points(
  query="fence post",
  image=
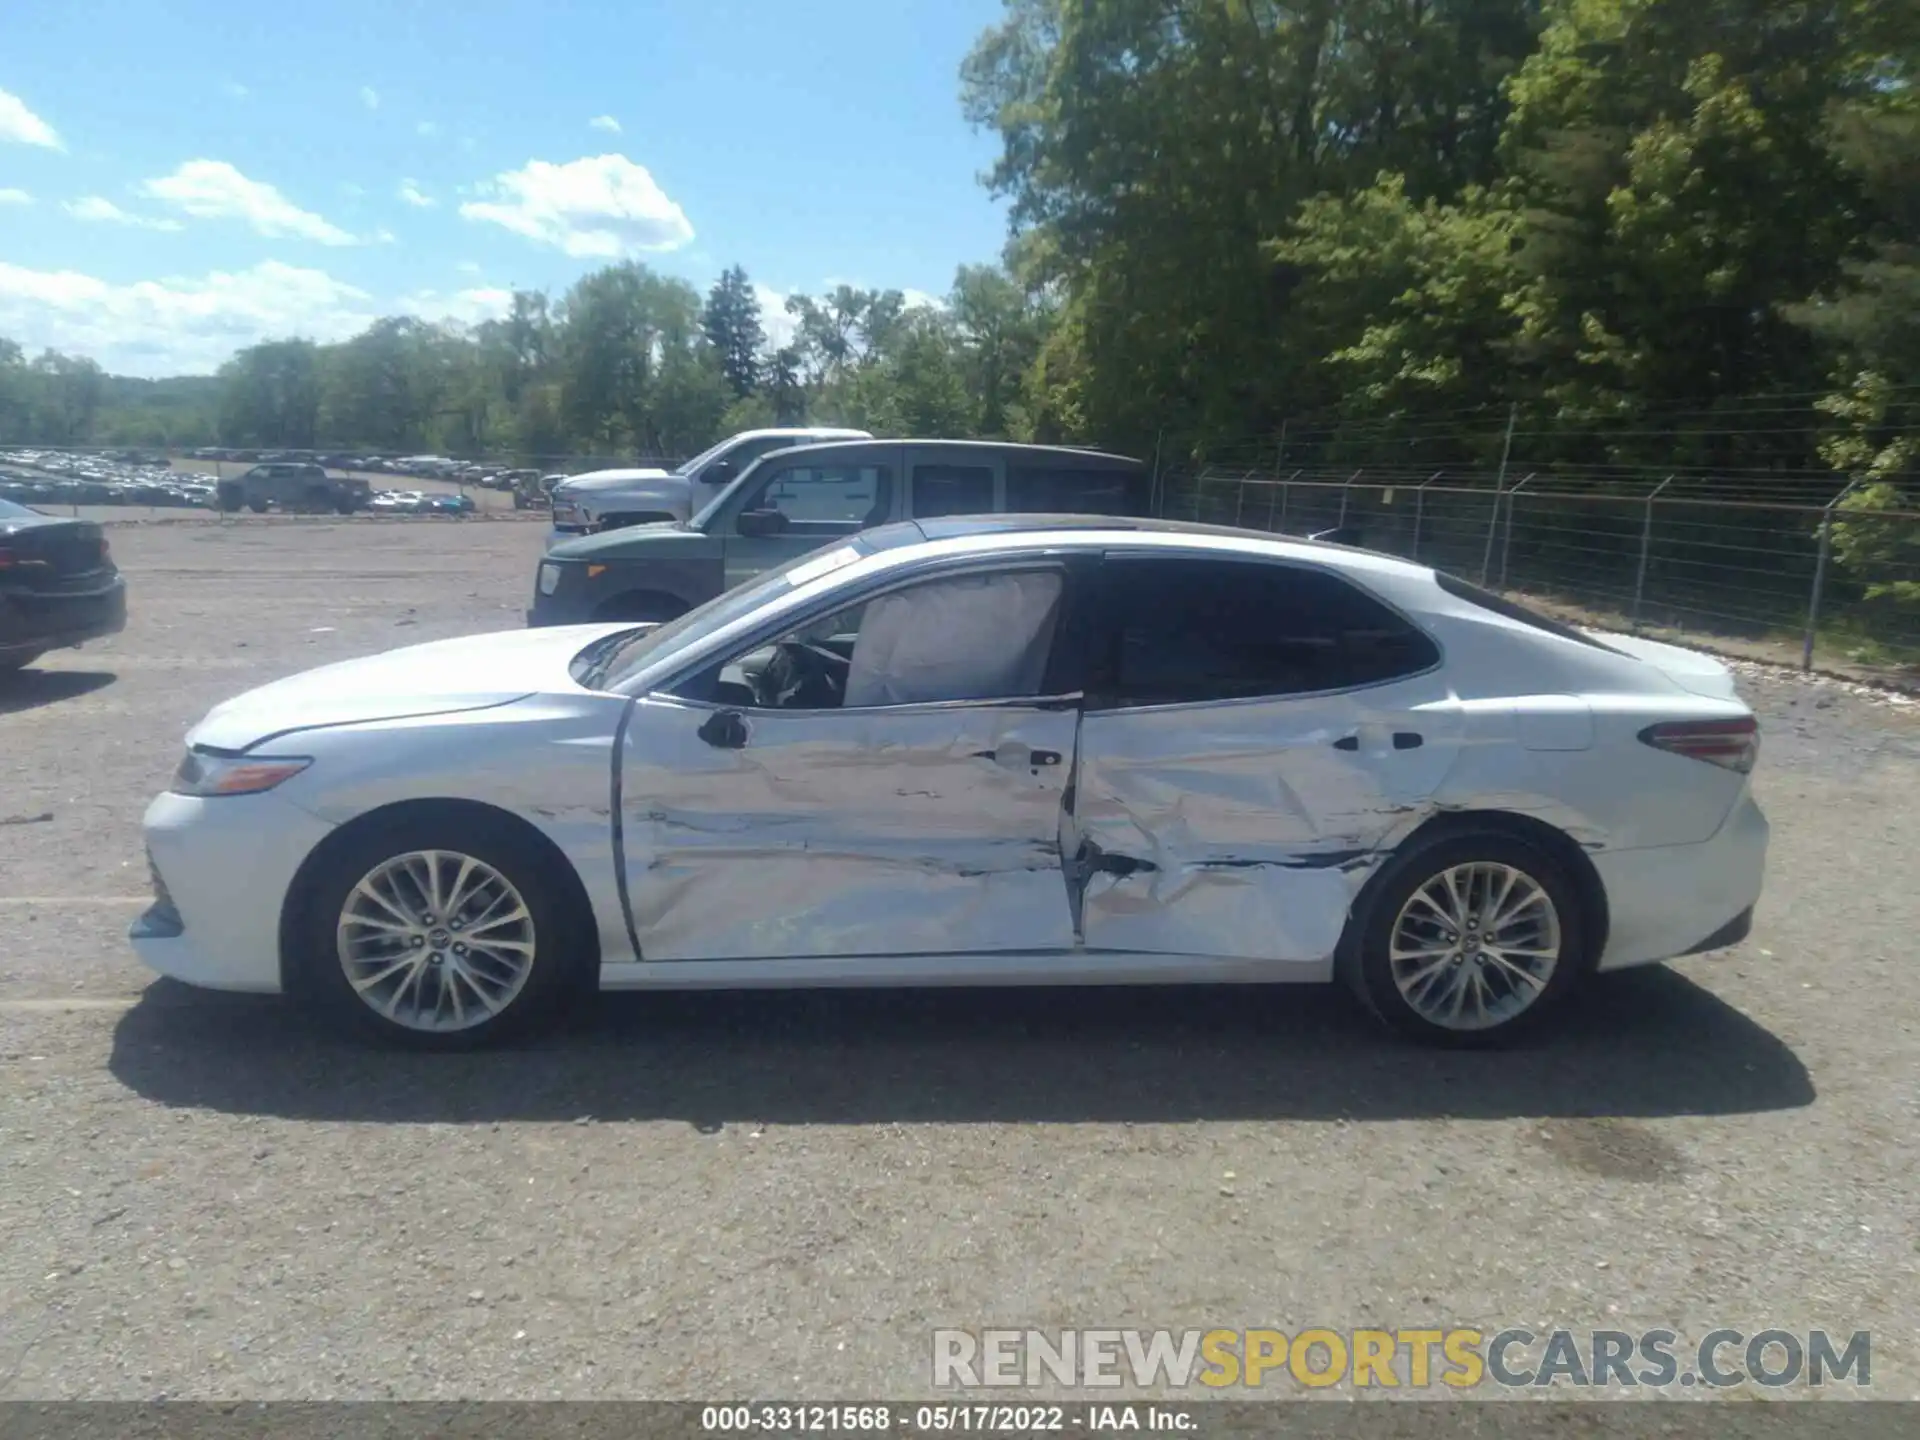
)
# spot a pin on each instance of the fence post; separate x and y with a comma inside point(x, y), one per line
point(1499, 488)
point(1820, 572)
point(1155, 499)
point(1240, 503)
point(1342, 521)
point(1420, 511)
point(1646, 544)
point(1506, 538)
point(1286, 491)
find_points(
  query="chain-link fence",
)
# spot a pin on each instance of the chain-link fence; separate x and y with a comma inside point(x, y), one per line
point(1813, 579)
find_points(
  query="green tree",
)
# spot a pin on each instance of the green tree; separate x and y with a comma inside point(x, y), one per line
point(731, 321)
point(270, 394)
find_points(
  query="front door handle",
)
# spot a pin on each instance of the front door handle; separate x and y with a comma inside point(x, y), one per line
point(1347, 742)
point(724, 730)
point(1015, 756)
point(1408, 740)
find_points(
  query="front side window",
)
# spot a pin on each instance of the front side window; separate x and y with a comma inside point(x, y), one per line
point(827, 499)
point(962, 637)
point(1185, 631)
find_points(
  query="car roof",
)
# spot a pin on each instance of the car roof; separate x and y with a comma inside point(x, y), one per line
point(990, 533)
point(1010, 447)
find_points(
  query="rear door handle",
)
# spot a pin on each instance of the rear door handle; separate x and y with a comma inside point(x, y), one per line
point(1408, 740)
point(1347, 742)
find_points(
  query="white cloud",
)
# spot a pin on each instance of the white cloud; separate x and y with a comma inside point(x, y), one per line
point(463, 307)
point(22, 126)
point(921, 300)
point(413, 195)
point(599, 208)
point(428, 128)
point(606, 123)
point(775, 322)
point(369, 97)
point(15, 197)
point(98, 207)
point(214, 190)
point(468, 267)
point(177, 325)
point(237, 90)
point(384, 236)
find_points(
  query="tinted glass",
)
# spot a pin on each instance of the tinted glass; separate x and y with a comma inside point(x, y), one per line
point(1184, 631)
point(1508, 610)
point(952, 490)
point(1071, 490)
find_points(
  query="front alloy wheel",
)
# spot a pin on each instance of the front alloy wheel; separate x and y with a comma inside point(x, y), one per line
point(436, 941)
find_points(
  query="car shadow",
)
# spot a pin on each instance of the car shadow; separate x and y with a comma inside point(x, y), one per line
point(1644, 1044)
point(30, 689)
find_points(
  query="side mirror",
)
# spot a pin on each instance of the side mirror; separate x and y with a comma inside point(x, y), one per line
point(761, 523)
point(719, 472)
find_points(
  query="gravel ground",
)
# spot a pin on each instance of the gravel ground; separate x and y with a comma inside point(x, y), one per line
point(709, 1196)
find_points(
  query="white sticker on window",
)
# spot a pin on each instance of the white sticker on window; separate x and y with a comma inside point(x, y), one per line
point(822, 565)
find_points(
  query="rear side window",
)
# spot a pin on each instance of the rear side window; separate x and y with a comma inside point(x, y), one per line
point(1184, 631)
point(1520, 614)
point(1075, 490)
point(952, 490)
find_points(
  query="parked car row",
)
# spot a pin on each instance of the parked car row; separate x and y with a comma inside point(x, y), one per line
point(419, 502)
point(47, 477)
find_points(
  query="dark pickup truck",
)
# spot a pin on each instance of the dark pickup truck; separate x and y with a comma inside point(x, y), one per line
point(58, 585)
point(792, 501)
point(302, 488)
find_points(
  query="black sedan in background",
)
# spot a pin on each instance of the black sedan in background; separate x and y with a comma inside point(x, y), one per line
point(58, 585)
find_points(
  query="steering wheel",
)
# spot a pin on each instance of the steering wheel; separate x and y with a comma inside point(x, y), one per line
point(802, 677)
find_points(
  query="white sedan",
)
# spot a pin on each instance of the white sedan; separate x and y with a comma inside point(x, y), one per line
point(975, 751)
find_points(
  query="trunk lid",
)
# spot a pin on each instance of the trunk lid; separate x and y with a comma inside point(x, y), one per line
point(1690, 669)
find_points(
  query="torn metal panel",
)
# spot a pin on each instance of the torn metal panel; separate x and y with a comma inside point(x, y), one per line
point(1246, 828)
point(923, 830)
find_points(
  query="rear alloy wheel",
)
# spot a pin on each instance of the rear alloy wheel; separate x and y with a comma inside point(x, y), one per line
point(1470, 940)
point(437, 936)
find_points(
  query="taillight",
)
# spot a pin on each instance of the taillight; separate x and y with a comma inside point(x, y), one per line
point(6, 558)
point(1730, 744)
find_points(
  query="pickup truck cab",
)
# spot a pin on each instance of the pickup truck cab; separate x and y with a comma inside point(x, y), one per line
point(615, 499)
point(795, 500)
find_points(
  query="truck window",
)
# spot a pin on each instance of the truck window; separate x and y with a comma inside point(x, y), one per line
point(1056, 489)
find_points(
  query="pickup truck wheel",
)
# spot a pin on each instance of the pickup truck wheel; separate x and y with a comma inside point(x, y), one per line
point(259, 507)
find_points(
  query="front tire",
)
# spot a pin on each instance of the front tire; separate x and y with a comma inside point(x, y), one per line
point(1469, 940)
point(436, 933)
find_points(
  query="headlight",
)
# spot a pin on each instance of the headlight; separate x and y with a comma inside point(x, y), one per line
point(203, 774)
point(549, 578)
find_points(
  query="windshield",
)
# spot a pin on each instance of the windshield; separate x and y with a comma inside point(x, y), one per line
point(687, 467)
point(614, 667)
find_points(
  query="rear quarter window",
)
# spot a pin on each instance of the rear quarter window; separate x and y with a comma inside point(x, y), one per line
point(1520, 614)
point(1067, 489)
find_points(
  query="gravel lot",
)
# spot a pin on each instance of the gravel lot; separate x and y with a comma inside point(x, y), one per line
point(709, 1196)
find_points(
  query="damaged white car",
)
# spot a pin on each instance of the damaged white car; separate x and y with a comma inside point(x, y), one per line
point(975, 751)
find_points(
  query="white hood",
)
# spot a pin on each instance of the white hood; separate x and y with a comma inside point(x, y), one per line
point(433, 679)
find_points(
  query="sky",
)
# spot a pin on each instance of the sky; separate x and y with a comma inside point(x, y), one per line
point(181, 179)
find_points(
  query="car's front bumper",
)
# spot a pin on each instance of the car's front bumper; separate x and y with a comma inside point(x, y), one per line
point(222, 869)
point(36, 620)
point(1670, 900)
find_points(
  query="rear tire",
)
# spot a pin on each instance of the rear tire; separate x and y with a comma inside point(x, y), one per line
point(369, 954)
point(259, 507)
point(11, 663)
point(1468, 940)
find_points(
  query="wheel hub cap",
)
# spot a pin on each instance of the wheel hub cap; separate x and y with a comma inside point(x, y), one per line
point(1475, 946)
point(394, 940)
